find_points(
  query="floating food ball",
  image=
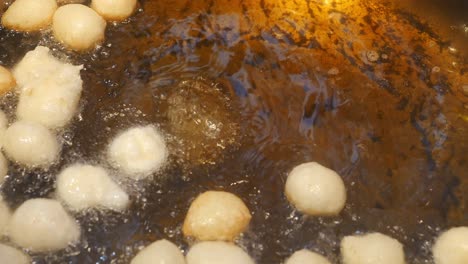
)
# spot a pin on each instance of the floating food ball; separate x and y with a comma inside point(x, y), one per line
point(43, 225)
point(305, 256)
point(374, 248)
point(31, 144)
point(78, 27)
point(84, 186)
point(29, 15)
point(5, 215)
point(217, 252)
point(138, 152)
point(216, 215)
point(50, 90)
point(11, 255)
point(159, 252)
point(7, 81)
point(114, 10)
point(451, 247)
point(315, 190)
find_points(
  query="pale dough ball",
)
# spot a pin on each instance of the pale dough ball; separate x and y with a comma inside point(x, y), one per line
point(451, 247)
point(84, 186)
point(315, 190)
point(114, 10)
point(31, 144)
point(159, 252)
point(78, 27)
point(5, 216)
point(138, 151)
point(216, 216)
point(29, 15)
point(7, 81)
point(50, 90)
point(43, 225)
point(217, 252)
point(11, 255)
point(305, 256)
point(374, 248)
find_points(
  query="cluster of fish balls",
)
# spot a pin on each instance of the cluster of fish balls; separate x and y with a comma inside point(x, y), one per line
point(76, 26)
point(215, 218)
point(49, 92)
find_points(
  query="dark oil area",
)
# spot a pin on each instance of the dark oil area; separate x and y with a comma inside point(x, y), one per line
point(245, 90)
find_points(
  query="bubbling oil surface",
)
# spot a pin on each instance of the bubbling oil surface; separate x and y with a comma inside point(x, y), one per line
point(366, 88)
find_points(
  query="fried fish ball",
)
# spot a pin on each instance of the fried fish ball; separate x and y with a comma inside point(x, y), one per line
point(42, 225)
point(216, 215)
point(114, 10)
point(305, 256)
point(11, 255)
point(78, 27)
point(451, 247)
point(138, 151)
point(5, 216)
point(31, 144)
point(29, 15)
point(49, 89)
point(217, 252)
point(83, 186)
point(7, 81)
point(315, 190)
point(374, 248)
point(159, 252)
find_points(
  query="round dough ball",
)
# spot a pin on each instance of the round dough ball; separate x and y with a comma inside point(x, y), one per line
point(138, 151)
point(31, 144)
point(43, 225)
point(84, 186)
point(7, 81)
point(451, 247)
point(315, 190)
point(5, 216)
point(216, 216)
point(50, 90)
point(305, 256)
point(29, 15)
point(159, 252)
point(374, 248)
point(12, 255)
point(78, 27)
point(114, 10)
point(217, 252)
